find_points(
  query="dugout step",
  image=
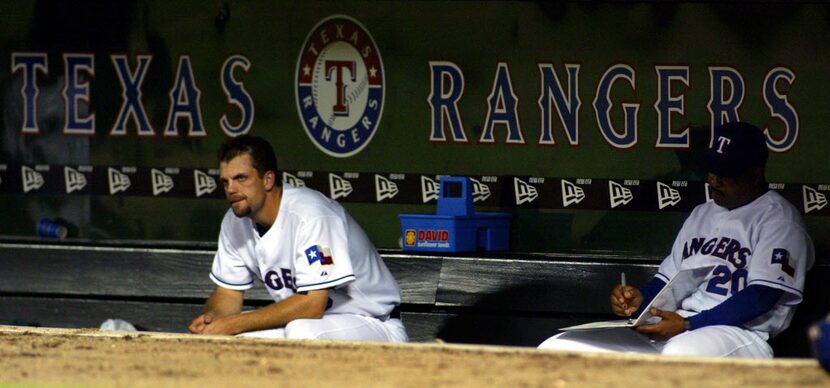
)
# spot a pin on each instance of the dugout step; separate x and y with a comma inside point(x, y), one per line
point(455, 227)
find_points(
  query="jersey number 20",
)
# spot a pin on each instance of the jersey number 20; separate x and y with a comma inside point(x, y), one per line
point(725, 280)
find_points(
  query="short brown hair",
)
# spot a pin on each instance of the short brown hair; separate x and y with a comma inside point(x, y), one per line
point(262, 154)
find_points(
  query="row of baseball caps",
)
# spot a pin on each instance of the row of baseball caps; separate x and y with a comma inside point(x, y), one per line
point(402, 188)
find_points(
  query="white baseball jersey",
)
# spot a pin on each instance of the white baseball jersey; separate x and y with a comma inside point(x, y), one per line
point(314, 244)
point(763, 242)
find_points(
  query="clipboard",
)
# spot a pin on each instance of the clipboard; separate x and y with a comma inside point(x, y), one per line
point(685, 283)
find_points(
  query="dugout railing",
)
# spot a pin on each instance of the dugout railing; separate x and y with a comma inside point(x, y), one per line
point(494, 298)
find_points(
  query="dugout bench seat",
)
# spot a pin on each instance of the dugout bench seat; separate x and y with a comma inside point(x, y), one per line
point(501, 299)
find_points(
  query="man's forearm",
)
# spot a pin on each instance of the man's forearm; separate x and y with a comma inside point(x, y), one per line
point(279, 314)
point(741, 308)
point(223, 303)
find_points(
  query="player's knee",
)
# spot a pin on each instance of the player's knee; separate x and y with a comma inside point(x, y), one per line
point(301, 329)
point(681, 349)
point(687, 344)
point(562, 342)
point(552, 343)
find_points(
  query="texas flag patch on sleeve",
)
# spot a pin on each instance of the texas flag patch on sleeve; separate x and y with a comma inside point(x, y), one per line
point(319, 253)
point(782, 256)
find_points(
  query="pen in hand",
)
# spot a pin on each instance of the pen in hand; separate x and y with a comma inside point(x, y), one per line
point(622, 283)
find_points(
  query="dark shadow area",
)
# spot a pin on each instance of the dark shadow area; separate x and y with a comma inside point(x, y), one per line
point(794, 342)
point(490, 322)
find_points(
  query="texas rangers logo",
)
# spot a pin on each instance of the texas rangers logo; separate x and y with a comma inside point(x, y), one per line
point(340, 86)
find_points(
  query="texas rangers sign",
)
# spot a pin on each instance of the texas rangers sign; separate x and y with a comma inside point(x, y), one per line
point(340, 86)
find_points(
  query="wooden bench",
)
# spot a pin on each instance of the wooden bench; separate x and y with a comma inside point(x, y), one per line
point(504, 299)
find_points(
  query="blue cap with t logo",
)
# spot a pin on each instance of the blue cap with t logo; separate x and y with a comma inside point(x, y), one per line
point(736, 148)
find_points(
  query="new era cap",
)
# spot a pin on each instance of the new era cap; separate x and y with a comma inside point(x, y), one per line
point(736, 148)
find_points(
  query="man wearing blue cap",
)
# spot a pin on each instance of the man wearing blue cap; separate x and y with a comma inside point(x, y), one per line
point(760, 252)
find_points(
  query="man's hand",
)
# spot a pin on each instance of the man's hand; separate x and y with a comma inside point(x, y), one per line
point(625, 303)
point(208, 324)
point(222, 326)
point(670, 326)
point(199, 323)
point(226, 318)
point(222, 303)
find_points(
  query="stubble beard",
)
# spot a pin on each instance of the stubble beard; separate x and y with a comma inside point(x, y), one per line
point(241, 212)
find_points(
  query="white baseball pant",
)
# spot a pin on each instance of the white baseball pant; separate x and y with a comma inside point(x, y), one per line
point(338, 327)
point(711, 341)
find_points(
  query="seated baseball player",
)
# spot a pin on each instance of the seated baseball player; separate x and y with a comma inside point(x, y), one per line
point(761, 252)
point(326, 278)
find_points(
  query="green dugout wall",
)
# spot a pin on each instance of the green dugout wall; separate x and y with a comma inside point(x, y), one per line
point(583, 120)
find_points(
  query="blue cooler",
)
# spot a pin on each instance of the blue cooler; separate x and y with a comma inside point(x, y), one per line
point(456, 227)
